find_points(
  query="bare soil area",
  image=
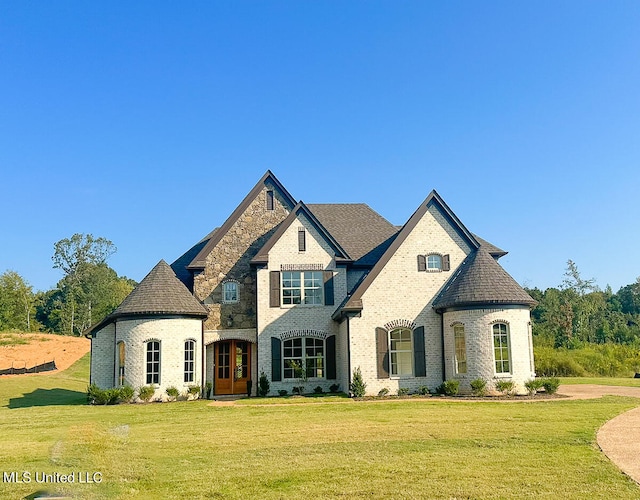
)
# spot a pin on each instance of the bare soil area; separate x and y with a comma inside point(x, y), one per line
point(40, 348)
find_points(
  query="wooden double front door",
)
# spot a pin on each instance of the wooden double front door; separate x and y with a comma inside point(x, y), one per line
point(232, 366)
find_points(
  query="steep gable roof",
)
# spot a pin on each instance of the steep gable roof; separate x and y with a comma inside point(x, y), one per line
point(200, 259)
point(179, 265)
point(161, 293)
point(480, 280)
point(360, 230)
point(263, 254)
point(355, 301)
point(491, 248)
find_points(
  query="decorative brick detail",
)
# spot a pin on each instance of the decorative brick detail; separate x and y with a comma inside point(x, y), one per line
point(304, 333)
point(400, 323)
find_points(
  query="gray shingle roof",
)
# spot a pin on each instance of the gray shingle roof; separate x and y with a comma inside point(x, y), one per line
point(179, 266)
point(490, 247)
point(363, 233)
point(160, 292)
point(480, 280)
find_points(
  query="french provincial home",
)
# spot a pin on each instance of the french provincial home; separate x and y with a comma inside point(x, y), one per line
point(315, 291)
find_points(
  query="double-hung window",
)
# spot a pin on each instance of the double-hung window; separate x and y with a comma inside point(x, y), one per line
point(302, 287)
point(461, 349)
point(230, 292)
point(401, 352)
point(303, 355)
point(501, 348)
point(189, 360)
point(153, 362)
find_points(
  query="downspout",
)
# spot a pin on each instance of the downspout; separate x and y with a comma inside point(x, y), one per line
point(115, 352)
point(203, 370)
point(348, 356)
point(443, 349)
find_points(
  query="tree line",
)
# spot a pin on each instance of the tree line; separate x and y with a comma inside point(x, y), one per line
point(88, 291)
point(578, 313)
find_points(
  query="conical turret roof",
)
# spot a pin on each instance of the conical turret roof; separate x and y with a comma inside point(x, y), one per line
point(160, 292)
point(480, 280)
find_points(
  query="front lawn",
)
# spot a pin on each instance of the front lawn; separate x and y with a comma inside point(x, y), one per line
point(426, 448)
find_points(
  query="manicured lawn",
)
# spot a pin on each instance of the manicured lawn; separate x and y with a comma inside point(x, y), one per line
point(623, 382)
point(413, 449)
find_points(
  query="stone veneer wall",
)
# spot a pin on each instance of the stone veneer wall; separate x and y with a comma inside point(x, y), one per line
point(401, 293)
point(478, 328)
point(275, 321)
point(230, 260)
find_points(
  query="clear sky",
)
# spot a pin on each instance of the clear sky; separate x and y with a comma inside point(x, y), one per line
point(148, 122)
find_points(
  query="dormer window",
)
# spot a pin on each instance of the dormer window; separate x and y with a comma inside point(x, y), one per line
point(230, 293)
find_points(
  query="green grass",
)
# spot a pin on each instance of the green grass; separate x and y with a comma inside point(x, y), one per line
point(414, 449)
point(616, 381)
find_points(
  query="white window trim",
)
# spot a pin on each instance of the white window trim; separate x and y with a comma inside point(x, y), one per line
point(434, 269)
point(304, 357)
point(184, 361)
point(227, 282)
point(455, 351)
point(302, 289)
point(146, 366)
point(413, 368)
point(493, 350)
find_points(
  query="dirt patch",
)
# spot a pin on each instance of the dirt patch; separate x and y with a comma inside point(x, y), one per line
point(41, 348)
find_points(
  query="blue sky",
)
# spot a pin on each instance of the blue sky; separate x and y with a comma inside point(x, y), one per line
point(148, 122)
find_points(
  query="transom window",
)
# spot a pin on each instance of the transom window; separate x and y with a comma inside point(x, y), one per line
point(230, 292)
point(501, 348)
point(401, 352)
point(153, 362)
point(461, 348)
point(434, 262)
point(302, 287)
point(303, 353)
point(189, 360)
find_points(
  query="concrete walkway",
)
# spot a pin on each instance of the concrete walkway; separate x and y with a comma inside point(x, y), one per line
point(619, 438)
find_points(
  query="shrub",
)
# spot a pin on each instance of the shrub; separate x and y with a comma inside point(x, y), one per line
point(449, 387)
point(146, 392)
point(298, 389)
point(318, 390)
point(383, 392)
point(551, 384)
point(532, 386)
point(208, 387)
point(506, 387)
point(479, 387)
point(173, 393)
point(97, 396)
point(403, 391)
point(193, 391)
point(282, 392)
point(126, 394)
point(263, 385)
point(358, 387)
point(423, 390)
point(334, 388)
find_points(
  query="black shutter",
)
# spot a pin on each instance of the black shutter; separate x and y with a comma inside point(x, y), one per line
point(302, 240)
point(274, 289)
point(331, 357)
point(419, 367)
point(382, 346)
point(276, 360)
point(422, 263)
point(328, 288)
point(446, 266)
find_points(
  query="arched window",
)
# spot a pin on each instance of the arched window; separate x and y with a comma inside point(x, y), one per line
point(121, 363)
point(153, 362)
point(230, 293)
point(304, 353)
point(401, 352)
point(501, 347)
point(189, 360)
point(461, 349)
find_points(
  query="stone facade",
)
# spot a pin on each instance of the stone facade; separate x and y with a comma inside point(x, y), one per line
point(230, 259)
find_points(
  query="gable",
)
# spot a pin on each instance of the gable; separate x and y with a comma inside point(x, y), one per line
point(432, 228)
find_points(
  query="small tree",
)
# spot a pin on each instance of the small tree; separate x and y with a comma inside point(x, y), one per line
point(358, 387)
point(301, 374)
point(263, 385)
